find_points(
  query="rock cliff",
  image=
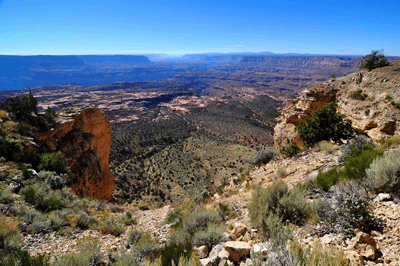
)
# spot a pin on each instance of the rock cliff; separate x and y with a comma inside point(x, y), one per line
point(84, 137)
point(370, 99)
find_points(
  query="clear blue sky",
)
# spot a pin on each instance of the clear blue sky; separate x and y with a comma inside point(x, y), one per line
point(57, 27)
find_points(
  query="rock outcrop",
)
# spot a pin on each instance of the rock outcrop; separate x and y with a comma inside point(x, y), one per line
point(84, 137)
point(369, 99)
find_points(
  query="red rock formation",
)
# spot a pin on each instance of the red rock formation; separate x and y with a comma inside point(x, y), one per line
point(84, 137)
point(377, 115)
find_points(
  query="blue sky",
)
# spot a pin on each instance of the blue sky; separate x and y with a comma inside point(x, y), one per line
point(31, 27)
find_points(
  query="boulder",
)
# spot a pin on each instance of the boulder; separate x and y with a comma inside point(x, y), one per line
point(201, 251)
point(237, 250)
point(383, 197)
point(365, 245)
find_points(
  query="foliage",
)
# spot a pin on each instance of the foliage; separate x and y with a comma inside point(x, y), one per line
point(146, 247)
point(359, 95)
point(383, 174)
point(173, 253)
point(327, 179)
point(54, 162)
point(89, 254)
point(355, 166)
point(353, 208)
point(44, 198)
point(22, 257)
point(134, 236)
point(374, 60)
point(318, 255)
point(22, 107)
point(6, 196)
point(263, 157)
point(325, 124)
point(358, 142)
point(276, 199)
point(10, 238)
point(290, 150)
point(56, 181)
point(359, 160)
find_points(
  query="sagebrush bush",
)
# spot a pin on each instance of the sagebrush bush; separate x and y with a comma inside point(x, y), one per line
point(89, 254)
point(56, 181)
point(54, 162)
point(147, 247)
point(353, 206)
point(209, 236)
point(10, 238)
point(134, 236)
point(358, 142)
point(276, 199)
point(6, 196)
point(263, 157)
point(318, 255)
point(383, 175)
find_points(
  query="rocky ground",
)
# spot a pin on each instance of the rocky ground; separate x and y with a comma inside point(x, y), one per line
point(385, 245)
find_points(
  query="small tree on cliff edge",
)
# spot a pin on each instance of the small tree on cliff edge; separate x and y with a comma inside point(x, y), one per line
point(374, 60)
point(325, 124)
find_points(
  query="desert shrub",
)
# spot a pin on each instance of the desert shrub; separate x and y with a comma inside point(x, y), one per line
point(45, 199)
point(54, 162)
point(146, 247)
point(326, 180)
point(290, 206)
point(327, 215)
point(353, 208)
point(209, 236)
point(89, 254)
point(290, 150)
point(112, 228)
point(22, 107)
point(173, 253)
point(374, 60)
point(199, 220)
point(326, 146)
point(6, 196)
point(22, 257)
point(34, 222)
point(10, 238)
point(359, 95)
point(383, 174)
point(392, 141)
point(56, 181)
point(318, 255)
point(325, 124)
point(134, 236)
point(3, 114)
point(128, 219)
point(85, 221)
point(357, 142)
point(359, 160)
point(263, 157)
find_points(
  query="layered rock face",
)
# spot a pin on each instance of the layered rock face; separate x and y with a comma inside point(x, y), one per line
point(84, 137)
point(371, 100)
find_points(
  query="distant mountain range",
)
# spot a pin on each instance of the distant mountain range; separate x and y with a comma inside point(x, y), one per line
point(20, 72)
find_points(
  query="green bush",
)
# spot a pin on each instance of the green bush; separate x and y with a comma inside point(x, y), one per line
point(173, 253)
point(134, 236)
point(146, 247)
point(10, 238)
point(374, 60)
point(290, 206)
point(325, 124)
point(359, 160)
point(318, 255)
point(359, 95)
point(209, 236)
point(290, 150)
point(56, 181)
point(383, 174)
point(6, 196)
point(22, 257)
point(358, 142)
point(263, 157)
point(54, 162)
point(89, 254)
point(22, 107)
point(326, 180)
